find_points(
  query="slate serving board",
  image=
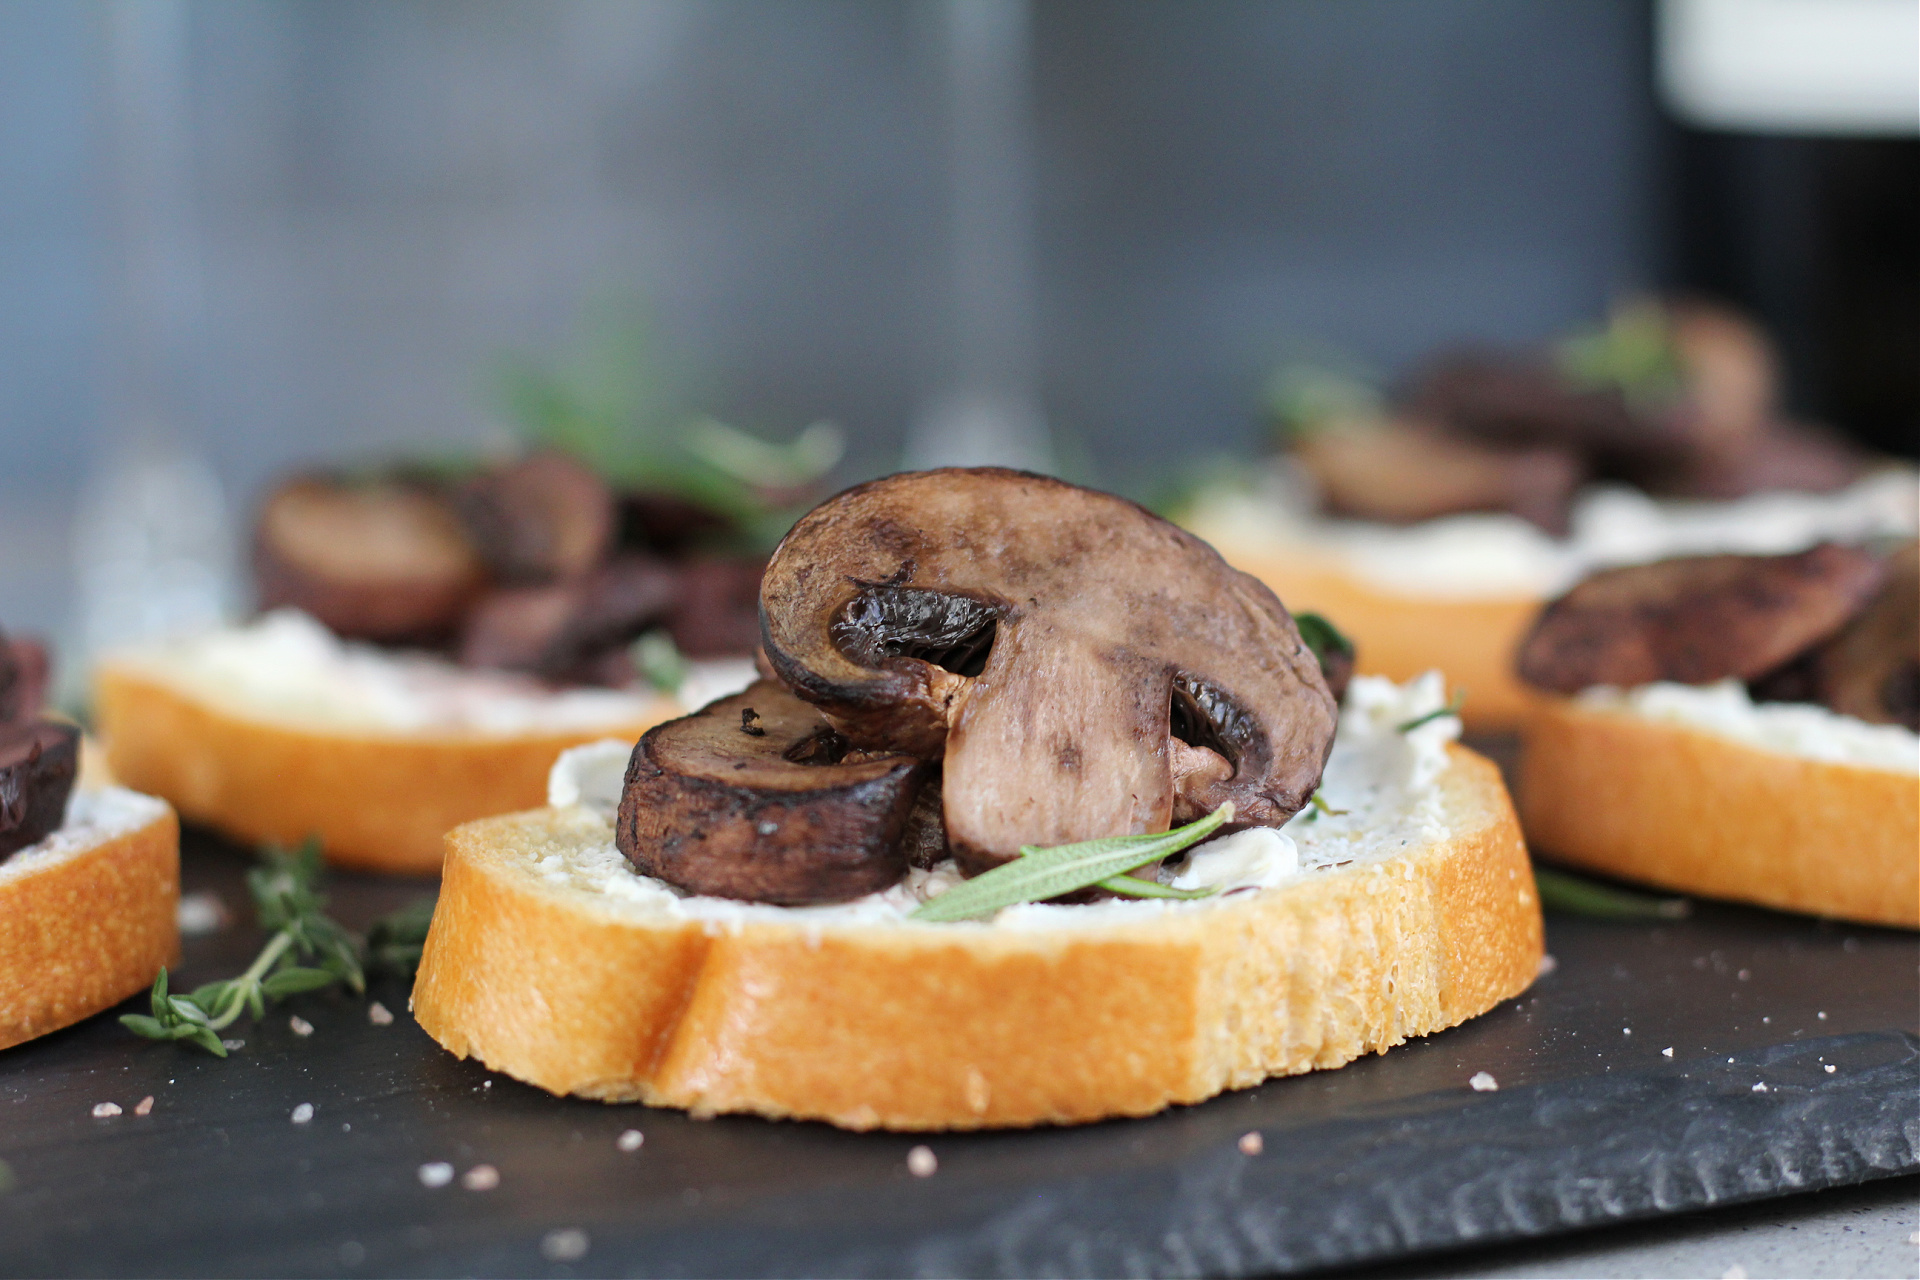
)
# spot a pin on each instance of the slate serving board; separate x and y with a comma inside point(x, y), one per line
point(1390, 1156)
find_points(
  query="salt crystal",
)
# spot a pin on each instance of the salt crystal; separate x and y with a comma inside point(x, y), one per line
point(1667, 1052)
point(379, 1015)
point(105, 1110)
point(437, 1174)
point(232, 1046)
point(1760, 1088)
point(301, 1027)
point(200, 914)
point(1483, 1082)
point(1252, 1144)
point(303, 1113)
point(922, 1163)
point(1547, 965)
point(1830, 1068)
point(630, 1140)
point(144, 1107)
point(482, 1177)
point(569, 1244)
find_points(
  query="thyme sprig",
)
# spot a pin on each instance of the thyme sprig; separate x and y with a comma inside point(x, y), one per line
point(308, 951)
point(1039, 874)
point(1452, 708)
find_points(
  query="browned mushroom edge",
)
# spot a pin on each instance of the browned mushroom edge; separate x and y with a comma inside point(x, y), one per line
point(758, 797)
point(1080, 667)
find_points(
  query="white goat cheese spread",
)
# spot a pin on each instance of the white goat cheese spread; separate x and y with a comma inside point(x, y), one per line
point(1381, 790)
point(286, 668)
point(1787, 728)
point(93, 814)
point(1478, 556)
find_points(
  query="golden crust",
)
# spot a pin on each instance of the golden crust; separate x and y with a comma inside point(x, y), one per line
point(85, 932)
point(1654, 801)
point(378, 802)
point(1401, 636)
point(871, 1026)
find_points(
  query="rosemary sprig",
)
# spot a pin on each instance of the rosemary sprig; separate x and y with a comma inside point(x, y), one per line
point(1452, 708)
point(1047, 873)
point(1322, 636)
point(1576, 895)
point(307, 951)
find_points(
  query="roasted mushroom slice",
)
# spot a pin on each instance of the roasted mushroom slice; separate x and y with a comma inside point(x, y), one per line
point(717, 611)
point(376, 561)
point(541, 519)
point(1695, 619)
point(1037, 637)
point(558, 630)
point(756, 796)
point(1872, 668)
point(38, 760)
point(23, 678)
point(1401, 472)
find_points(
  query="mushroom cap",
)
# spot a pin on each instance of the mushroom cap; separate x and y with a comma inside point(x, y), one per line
point(755, 796)
point(1046, 641)
point(38, 762)
point(1696, 619)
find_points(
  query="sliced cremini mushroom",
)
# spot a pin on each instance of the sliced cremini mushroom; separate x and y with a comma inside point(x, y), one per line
point(541, 519)
point(23, 678)
point(1403, 471)
point(717, 610)
point(1872, 668)
point(1082, 667)
point(38, 761)
point(756, 796)
point(1696, 619)
point(375, 560)
point(559, 630)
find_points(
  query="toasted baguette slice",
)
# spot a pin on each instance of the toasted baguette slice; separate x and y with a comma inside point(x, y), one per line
point(378, 800)
point(896, 1025)
point(1399, 636)
point(1616, 791)
point(87, 915)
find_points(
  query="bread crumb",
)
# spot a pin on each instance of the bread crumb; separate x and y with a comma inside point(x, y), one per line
point(105, 1110)
point(1667, 1052)
point(1830, 1068)
point(1252, 1144)
point(1483, 1082)
point(301, 1027)
point(144, 1107)
point(630, 1140)
point(569, 1244)
point(922, 1163)
point(379, 1015)
point(482, 1177)
point(303, 1113)
point(1760, 1088)
point(437, 1174)
point(1547, 965)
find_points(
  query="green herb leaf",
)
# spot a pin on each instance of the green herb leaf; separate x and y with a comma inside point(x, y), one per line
point(1451, 709)
point(1576, 895)
point(208, 1040)
point(294, 979)
point(658, 660)
point(1135, 887)
point(395, 941)
point(1047, 873)
point(1320, 805)
point(141, 1025)
point(1322, 636)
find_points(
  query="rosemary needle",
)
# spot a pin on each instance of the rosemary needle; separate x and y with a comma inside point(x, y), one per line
point(1576, 895)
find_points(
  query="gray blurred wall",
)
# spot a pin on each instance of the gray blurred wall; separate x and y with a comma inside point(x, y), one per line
point(392, 195)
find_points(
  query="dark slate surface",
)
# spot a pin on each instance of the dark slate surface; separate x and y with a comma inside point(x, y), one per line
point(1387, 1157)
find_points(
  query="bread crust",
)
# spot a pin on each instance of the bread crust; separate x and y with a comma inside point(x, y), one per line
point(1402, 636)
point(962, 1027)
point(378, 802)
point(1612, 791)
point(85, 931)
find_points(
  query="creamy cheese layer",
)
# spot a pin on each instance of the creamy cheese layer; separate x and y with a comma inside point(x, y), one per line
point(286, 668)
point(1788, 728)
point(1495, 555)
point(1381, 792)
point(93, 815)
